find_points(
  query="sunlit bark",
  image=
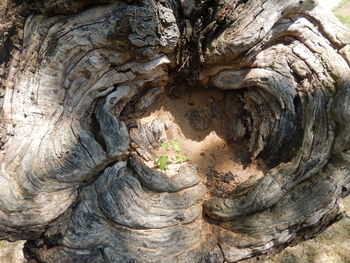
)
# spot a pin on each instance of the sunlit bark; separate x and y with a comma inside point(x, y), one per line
point(78, 75)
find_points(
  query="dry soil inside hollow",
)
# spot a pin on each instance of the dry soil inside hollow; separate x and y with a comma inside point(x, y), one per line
point(201, 120)
point(343, 9)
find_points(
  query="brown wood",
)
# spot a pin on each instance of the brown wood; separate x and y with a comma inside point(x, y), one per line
point(77, 81)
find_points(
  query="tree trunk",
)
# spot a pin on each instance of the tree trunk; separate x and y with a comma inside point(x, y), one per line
point(82, 84)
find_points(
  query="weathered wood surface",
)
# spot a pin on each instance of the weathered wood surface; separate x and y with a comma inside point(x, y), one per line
point(73, 179)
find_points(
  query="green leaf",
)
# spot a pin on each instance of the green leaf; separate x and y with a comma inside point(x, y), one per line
point(176, 146)
point(164, 146)
point(163, 162)
point(180, 158)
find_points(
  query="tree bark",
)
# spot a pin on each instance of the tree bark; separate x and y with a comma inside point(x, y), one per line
point(77, 77)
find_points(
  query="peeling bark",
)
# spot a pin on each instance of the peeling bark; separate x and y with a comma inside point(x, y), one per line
point(77, 80)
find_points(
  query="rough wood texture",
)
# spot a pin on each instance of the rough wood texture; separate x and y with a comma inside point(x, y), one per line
point(74, 176)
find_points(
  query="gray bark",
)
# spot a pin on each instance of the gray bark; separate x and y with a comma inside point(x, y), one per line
point(77, 76)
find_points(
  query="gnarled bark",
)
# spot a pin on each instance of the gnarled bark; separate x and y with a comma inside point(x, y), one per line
point(78, 178)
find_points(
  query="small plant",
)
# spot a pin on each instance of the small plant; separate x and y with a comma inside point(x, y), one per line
point(176, 146)
point(164, 160)
point(164, 146)
point(181, 158)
